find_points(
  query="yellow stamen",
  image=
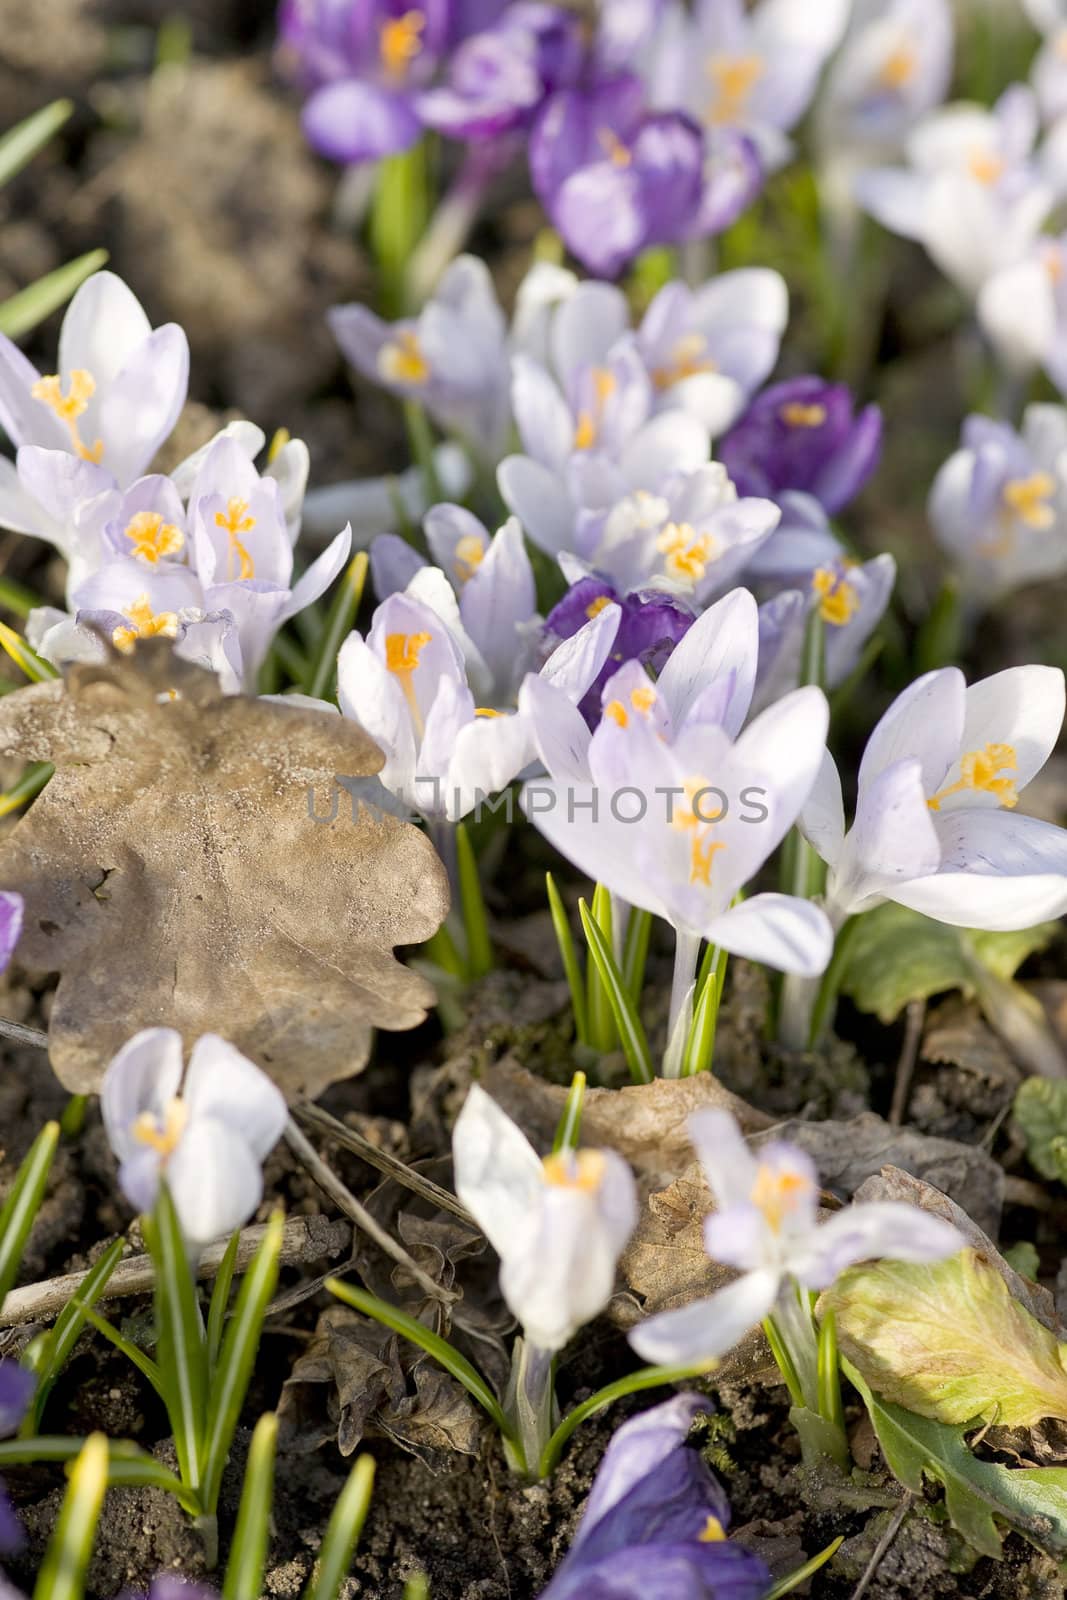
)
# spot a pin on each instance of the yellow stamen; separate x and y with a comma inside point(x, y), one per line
point(577, 1169)
point(486, 711)
point(1028, 499)
point(595, 607)
point(235, 520)
point(839, 602)
point(590, 421)
point(144, 624)
point(400, 42)
point(152, 538)
point(618, 154)
point(734, 78)
point(1061, 44)
point(402, 652)
point(402, 360)
point(777, 1193)
point(687, 552)
point(70, 406)
point(643, 699)
point(166, 1138)
point(979, 770)
point(702, 849)
point(688, 358)
point(618, 713)
point(470, 553)
point(713, 1531)
point(899, 68)
point(987, 168)
point(797, 415)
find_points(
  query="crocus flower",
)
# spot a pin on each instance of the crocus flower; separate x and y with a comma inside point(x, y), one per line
point(650, 625)
point(804, 434)
point(452, 357)
point(936, 826)
point(679, 829)
point(1023, 311)
point(363, 66)
point(498, 79)
point(1046, 15)
point(894, 67)
point(709, 349)
point(206, 1137)
point(766, 1224)
point(16, 1391)
point(655, 1522)
point(559, 1225)
point(617, 178)
point(972, 193)
point(998, 506)
point(750, 70)
point(117, 394)
point(802, 541)
point(11, 911)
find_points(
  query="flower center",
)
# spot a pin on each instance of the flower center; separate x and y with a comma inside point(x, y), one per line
point(838, 600)
point(687, 551)
point(575, 1169)
point(980, 770)
point(70, 406)
point(642, 699)
point(688, 357)
point(703, 850)
point(400, 41)
point(733, 79)
point(1028, 499)
point(795, 414)
point(591, 418)
point(152, 538)
point(470, 553)
point(595, 607)
point(235, 521)
point(899, 68)
point(144, 623)
point(402, 360)
point(402, 652)
point(777, 1192)
point(619, 154)
point(162, 1136)
point(985, 166)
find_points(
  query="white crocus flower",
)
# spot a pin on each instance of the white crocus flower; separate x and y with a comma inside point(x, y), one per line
point(558, 1225)
point(936, 826)
point(766, 1224)
point(205, 1138)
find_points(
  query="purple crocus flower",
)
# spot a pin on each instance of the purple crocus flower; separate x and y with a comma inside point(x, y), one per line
point(11, 908)
point(169, 1586)
point(364, 65)
point(655, 1522)
point(616, 178)
point(652, 623)
point(498, 79)
point(16, 1389)
point(804, 434)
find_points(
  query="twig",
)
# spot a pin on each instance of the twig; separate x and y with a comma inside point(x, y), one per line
point(909, 1054)
point(303, 1239)
point(345, 1200)
point(883, 1545)
point(391, 1166)
point(22, 1035)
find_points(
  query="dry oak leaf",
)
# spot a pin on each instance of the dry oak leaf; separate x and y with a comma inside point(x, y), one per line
point(173, 874)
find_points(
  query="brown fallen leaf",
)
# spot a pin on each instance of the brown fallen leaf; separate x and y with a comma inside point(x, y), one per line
point(173, 874)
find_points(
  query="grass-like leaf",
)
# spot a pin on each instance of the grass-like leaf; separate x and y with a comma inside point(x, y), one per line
point(66, 1561)
point(29, 786)
point(23, 1203)
point(472, 904)
point(793, 1580)
point(569, 1130)
point(66, 1331)
point(635, 951)
point(21, 143)
point(602, 1035)
point(643, 1378)
point(237, 1358)
point(610, 980)
point(144, 1364)
point(36, 668)
point(569, 957)
point(220, 1300)
point(248, 1553)
point(342, 1532)
point(181, 1343)
point(21, 313)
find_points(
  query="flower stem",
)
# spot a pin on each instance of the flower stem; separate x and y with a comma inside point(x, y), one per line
point(531, 1401)
point(686, 951)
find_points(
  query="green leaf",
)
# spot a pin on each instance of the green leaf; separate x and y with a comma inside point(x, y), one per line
point(948, 1341)
point(181, 1343)
point(635, 951)
point(569, 957)
point(66, 1561)
point(342, 1532)
point(36, 668)
point(21, 143)
point(1041, 1113)
point(23, 1203)
point(475, 922)
point(793, 1580)
point(569, 1129)
point(66, 1331)
point(1031, 1500)
point(598, 1004)
point(611, 984)
point(896, 955)
point(633, 1383)
point(220, 1300)
point(144, 1364)
point(248, 1553)
point(237, 1359)
point(21, 313)
point(29, 786)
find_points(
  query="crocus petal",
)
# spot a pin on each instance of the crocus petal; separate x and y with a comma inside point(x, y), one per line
point(1023, 707)
point(576, 663)
point(215, 1180)
point(319, 576)
point(351, 120)
point(722, 644)
point(223, 1084)
point(103, 327)
point(24, 419)
point(707, 1328)
point(144, 1077)
point(499, 1177)
point(370, 694)
point(822, 820)
point(17, 1384)
point(925, 721)
point(393, 564)
point(139, 409)
point(539, 500)
point(998, 871)
point(11, 910)
point(635, 1451)
point(887, 1229)
point(729, 1165)
point(780, 930)
point(560, 732)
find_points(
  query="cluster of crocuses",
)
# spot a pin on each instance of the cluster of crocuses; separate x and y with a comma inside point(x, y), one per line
point(204, 555)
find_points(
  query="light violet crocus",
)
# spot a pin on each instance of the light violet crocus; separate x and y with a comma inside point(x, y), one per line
point(937, 825)
point(655, 1522)
point(765, 1223)
point(452, 358)
point(559, 1225)
point(205, 1136)
point(498, 78)
point(116, 394)
point(748, 70)
point(998, 506)
point(894, 67)
point(17, 1384)
point(12, 908)
point(972, 192)
point(1023, 312)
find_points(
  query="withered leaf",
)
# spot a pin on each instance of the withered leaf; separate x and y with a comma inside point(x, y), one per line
point(173, 874)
